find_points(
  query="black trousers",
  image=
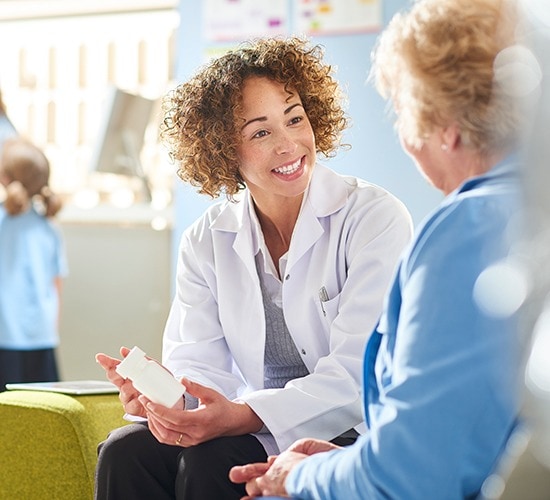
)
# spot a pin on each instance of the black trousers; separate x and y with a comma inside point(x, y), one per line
point(133, 465)
point(37, 365)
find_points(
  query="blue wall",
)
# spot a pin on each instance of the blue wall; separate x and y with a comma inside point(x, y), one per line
point(375, 154)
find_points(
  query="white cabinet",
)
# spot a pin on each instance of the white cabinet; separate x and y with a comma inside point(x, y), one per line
point(118, 291)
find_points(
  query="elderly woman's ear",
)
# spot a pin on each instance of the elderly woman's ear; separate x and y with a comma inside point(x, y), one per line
point(450, 137)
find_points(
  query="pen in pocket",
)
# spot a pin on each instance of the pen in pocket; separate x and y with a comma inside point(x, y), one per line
point(323, 297)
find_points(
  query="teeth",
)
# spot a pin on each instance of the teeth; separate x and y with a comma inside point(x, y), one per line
point(289, 169)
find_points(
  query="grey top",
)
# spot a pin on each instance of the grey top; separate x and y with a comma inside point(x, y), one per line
point(282, 361)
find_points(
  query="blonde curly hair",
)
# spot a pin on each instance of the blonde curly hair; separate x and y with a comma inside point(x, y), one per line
point(436, 65)
point(200, 124)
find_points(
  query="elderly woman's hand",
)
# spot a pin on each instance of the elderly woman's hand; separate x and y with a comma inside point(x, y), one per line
point(269, 478)
point(128, 395)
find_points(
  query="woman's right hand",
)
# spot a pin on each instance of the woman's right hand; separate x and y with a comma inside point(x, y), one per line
point(128, 394)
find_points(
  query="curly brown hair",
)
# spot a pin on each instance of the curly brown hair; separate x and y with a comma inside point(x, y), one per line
point(200, 124)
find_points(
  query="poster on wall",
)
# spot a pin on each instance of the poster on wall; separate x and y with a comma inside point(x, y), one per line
point(236, 20)
point(337, 17)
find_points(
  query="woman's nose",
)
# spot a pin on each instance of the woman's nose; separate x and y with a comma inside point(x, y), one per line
point(284, 143)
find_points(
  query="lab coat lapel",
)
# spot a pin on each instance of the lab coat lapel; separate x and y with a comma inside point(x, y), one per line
point(327, 193)
point(244, 323)
point(307, 231)
point(234, 218)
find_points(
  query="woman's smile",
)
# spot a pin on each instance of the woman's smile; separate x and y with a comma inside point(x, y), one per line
point(291, 171)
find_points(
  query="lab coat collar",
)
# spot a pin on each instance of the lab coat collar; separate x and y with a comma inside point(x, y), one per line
point(326, 194)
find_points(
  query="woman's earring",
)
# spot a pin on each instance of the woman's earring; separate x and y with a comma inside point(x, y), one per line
point(444, 147)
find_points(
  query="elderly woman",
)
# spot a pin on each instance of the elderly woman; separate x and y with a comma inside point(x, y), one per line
point(277, 288)
point(441, 371)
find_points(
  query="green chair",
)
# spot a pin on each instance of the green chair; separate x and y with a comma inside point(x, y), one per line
point(48, 443)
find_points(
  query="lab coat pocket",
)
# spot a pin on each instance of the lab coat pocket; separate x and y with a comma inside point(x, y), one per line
point(329, 308)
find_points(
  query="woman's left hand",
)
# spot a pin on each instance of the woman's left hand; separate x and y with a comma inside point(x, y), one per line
point(269, 478)
point(214, 417)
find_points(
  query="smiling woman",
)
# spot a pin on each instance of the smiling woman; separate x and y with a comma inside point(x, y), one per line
point(202, 118)
point(277, 157)
point(277, 287)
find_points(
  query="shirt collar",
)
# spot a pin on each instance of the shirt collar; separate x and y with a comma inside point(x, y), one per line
point(507, 168)
point(326, 194)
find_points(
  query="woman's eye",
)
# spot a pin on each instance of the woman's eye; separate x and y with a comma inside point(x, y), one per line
point(295, 120)
point(259, 134)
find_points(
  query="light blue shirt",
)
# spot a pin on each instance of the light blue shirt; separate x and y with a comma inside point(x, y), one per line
point(31, 257)
point(441, 376)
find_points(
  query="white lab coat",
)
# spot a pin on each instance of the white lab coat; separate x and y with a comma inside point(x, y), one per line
point(347, 239)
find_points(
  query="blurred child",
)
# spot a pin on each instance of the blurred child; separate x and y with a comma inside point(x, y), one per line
point(32, 265)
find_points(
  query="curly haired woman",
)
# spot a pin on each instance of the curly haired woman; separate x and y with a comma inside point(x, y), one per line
point(276, 285)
